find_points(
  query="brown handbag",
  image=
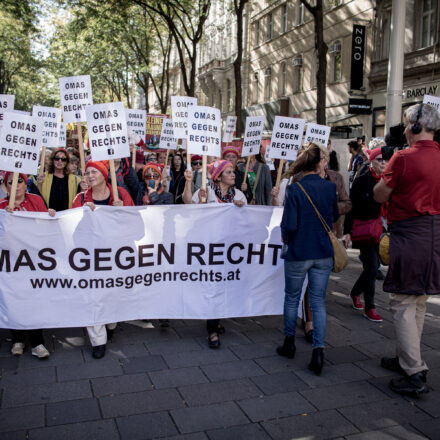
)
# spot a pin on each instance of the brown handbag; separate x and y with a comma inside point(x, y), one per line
point(340, 259)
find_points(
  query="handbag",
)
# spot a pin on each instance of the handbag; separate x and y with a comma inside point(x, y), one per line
point(384, 249)
point(340, 259)
point(367, 232)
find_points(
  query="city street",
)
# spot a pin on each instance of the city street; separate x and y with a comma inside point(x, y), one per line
point(166, 383)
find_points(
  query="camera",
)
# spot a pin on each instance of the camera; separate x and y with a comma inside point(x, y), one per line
point(395, 138)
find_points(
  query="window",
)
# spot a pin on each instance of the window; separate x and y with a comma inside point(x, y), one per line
point(220, 99)
point(268, 84)
point(379, 117)
point(269, 29)
point(299, 74)
point(335, 50)
point(283, 79)
point(385, 35)
point(428, 23)
point(228, 95)
point(284, 18)
point(257, 33)
point(300, 14)
point(255, 90)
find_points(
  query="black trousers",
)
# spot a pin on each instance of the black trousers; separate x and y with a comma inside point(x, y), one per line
point(366, 283)
point(212, 325)
point(35, 336)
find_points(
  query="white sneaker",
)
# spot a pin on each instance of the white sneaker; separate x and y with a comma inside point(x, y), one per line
point(40, 351)
point(17, 349)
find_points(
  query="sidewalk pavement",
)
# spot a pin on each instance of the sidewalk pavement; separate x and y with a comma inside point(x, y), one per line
point(166, 383)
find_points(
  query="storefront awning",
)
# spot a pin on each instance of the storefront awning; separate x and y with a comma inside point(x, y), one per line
point(338, 118)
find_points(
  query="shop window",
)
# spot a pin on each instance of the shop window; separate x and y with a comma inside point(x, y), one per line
point(428, 22)
point(269, 29)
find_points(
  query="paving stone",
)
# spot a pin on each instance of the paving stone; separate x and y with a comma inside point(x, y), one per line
point(198, 358)
point(146, 426)
point(275, 406)
point(99, 368)
point(29, 376)
point(143, 364)
point(205, 394)
point(372, 367)
point(145, 335)
point(8, 362)
point(393, 433)
point(429, 428)
point(251, 431)
point(430, 403)
point(118, 351)
point(15, 435)
point(321, 425)
point(264, 335)
point(339, 336)
point(173, 346)
point(232, 370)
point(203, 418)
point(128, 383)
point(13, 419)
point(279, 364)
point(388, 412)
point(72, 411)
point(62, 357)
point(279, 383)
point(342, 355)
point(431, 340)
point(274, 321)
point(19, 395)
point(177, 377)
point(254, 351)
point(346, 394)
point(97, 430)
point(142, 402)
point(231, 338)
point(194, 436)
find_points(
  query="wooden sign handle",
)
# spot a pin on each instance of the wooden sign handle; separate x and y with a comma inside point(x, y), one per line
point(113, 179)
point(204, 173)
point(188, 159)
point(42, 160)
point(81, 149)
point(165, 168)
point(133, 158)
point(246, 170)
point(13, 190)
point(280, 172)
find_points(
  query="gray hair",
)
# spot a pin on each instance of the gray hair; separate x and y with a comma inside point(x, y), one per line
point(376, 142)
point(429, 120)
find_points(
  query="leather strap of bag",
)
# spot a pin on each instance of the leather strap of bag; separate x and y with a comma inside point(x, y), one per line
point(324, 223)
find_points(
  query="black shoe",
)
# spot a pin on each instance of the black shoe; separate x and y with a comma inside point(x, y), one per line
point(109, 333)
point(213, 340)
point(98, 352)
point(413, 385)
point(380, 276)
point(317, 361)
point(288, 349)
point(391, 364)
point(309, 336)
point(164, 323)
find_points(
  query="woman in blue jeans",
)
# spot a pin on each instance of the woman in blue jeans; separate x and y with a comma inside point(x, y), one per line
point(309, 250)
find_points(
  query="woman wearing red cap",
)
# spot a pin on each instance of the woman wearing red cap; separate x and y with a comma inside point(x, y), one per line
point(25, 202)
point(232, 154)
point(151, 191)
point(58, 186)
point(100, 193)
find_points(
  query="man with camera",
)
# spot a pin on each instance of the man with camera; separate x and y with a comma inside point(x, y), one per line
point(411, 184)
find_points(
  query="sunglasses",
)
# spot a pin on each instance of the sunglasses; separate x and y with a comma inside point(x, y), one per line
point(20, 180)
point(199, 162)
point(62, 159)
point(152, 176)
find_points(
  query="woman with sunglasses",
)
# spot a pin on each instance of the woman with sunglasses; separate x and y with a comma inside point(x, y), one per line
point(151, 191)
point(58, 186)
point(25, 202)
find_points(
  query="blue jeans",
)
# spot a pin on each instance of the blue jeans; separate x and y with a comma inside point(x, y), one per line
point(295, 273)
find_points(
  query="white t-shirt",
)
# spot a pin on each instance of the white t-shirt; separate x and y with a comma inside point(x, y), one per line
point(212, 198)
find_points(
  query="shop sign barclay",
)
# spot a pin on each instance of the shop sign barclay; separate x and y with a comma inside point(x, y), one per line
point(418, 92)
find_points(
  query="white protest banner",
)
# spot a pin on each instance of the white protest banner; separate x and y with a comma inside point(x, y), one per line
point(433, 100)
point(6, 104)
point(119, 264)
point(136, 121)
point(287, 137)
point(179, 114)
point(252, 135)
point(167, 138)
point(229, 130)
point(204, 131)
point(62, 136)
point(76, 94)
point(20, 143)
point(107, 127)
point(317, 133)
point(51, 120)
point(21, 112)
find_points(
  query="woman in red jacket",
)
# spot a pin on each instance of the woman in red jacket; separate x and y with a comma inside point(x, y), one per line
point(99, 192)
point(25, 202)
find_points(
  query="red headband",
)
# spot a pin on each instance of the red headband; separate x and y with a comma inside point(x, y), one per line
point(101, 166)
point(21, 174)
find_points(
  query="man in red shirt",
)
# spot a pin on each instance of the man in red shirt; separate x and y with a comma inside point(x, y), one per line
point(411, 184)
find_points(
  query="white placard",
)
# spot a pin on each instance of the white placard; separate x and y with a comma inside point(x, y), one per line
point(287, 138)
point(252, 135)
point(228, 132)
point(204, 131)
point(433, 100)
point(167, 139)
point(76, 95)
point(269, 161)
point(136, 121)
point(62, 136)
point(317, 133)
point(21, 112)
point(179, 114)
point(6, 105)
point(20, 143)
point(108, 134)
point(51, 119)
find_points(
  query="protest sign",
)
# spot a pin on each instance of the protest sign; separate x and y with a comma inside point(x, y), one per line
point(287, 138)
point(153, 130)
point(62, 136)
point(317, 133)
point(252, 135)
point(6, 104)
point(76, 95)
point(229, 130)
point(204, 131)
point(167, 138)
point(432, 100)
point(51, 120)
point(136, 121)
point(120, 264)
point(21, 112)
point(179, 114)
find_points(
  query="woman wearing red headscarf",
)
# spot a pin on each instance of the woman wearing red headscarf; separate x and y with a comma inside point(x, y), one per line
point(25, 202)
point(151, 191)
point(99, 192)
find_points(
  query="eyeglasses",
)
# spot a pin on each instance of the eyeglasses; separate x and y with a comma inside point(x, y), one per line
point(62, 159)
point(381, 160)
point(20, 180)
point(199, 162)
point(152, 176)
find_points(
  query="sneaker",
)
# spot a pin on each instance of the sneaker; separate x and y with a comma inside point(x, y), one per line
point(40, 351)
point(98, 351)
point(17, 349)
point(357, 303)
point(413, 385)
point(372, 315)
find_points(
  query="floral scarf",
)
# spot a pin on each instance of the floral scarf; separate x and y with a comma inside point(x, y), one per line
point(223, 198)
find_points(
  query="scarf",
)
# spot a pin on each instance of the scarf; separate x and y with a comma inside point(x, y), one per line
point(375, 176)
point(224, 198)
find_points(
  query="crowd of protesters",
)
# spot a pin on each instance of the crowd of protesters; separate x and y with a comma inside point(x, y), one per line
point(392, 189)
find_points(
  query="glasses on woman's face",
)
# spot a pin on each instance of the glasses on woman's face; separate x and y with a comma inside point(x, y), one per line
point(61, 158)
point(197, 163)
point(20, 180)
point(154, 176)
